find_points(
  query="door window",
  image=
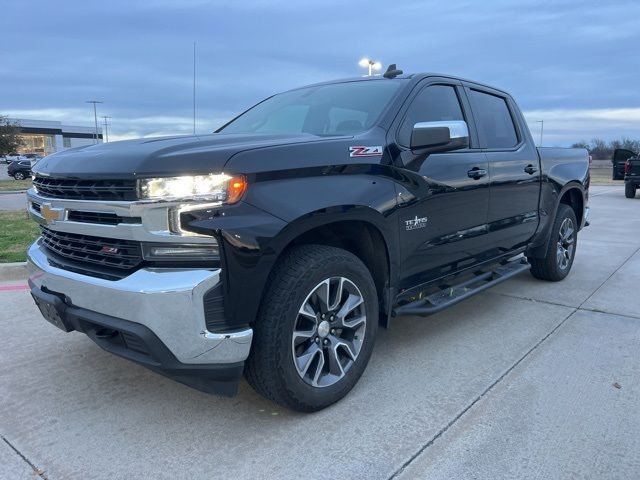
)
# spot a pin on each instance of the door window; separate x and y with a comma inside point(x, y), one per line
point(433, 104)
point(494, 120)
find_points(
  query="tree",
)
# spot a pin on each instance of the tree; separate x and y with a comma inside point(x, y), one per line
point(10, 138)
point(581, 144)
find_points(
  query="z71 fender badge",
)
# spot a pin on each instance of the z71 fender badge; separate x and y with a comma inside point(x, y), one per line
point(416, 223)
point(361, 151)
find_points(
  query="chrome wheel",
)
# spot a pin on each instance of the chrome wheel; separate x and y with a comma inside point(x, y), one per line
point(566, 244)
point(328, 332)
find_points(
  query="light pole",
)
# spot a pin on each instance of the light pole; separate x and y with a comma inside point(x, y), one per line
point(541, 122)
point(95, 115)
point(194, 88)
point(370, 64)
point(106, 130)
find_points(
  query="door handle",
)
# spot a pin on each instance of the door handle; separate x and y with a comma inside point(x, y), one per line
point(530, 169)
point(476, 173)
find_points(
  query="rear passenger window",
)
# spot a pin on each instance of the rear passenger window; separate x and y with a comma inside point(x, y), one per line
point(494, 120)
point(433, 104)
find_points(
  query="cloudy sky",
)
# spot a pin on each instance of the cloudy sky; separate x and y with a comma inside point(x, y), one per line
point(572, 63)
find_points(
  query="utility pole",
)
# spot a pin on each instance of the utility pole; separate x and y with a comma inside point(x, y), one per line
point(194, 88)
point(95, 115)
point(106, 129)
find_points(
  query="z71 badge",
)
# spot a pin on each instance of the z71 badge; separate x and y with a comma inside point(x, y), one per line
point(415, 223)
point(365, 151)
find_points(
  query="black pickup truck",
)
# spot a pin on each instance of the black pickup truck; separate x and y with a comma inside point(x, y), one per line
point(276, 246)
point(626, 165)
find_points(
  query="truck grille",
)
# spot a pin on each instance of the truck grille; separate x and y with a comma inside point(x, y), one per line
point(100, 218)
point(124, 190)
point(117, 257)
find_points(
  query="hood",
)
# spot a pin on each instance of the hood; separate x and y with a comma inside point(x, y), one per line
point(167, 156)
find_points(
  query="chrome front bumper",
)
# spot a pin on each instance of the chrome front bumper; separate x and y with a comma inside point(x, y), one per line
point(169, 302)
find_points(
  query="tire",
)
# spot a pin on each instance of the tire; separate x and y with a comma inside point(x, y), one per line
point(19, 176)
point(285, 360)
point(557, 263)
point(629, 190)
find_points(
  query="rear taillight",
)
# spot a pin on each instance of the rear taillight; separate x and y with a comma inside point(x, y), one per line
point(627, 166)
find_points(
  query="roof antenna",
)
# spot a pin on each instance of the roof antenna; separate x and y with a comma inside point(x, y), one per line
point(392, 71)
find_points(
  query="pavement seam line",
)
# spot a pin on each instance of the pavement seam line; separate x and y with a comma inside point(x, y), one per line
point(444, 429)
point(609, 277)
point(545, 302)
point(36, 470)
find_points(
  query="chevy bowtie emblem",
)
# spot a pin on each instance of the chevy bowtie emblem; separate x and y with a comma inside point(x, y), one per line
point(51, 214)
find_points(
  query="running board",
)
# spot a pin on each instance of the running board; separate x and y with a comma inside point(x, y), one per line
point(451, 295)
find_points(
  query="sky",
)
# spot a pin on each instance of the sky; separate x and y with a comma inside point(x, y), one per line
point(573, 64)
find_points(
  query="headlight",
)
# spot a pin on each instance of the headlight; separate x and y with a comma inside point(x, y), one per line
point(213, 187)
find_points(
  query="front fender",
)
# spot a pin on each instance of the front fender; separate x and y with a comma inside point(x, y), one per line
point(275, 211)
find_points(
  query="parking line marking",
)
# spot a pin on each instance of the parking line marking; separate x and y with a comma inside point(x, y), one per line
point(10, 288)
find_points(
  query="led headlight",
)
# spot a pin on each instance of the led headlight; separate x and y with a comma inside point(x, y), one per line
point(214, 187)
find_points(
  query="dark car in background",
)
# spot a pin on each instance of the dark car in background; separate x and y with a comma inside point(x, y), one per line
point(19, 169)
point(620, 157)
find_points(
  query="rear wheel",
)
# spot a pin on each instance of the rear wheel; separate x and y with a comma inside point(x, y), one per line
point(561, 251)
point(629, 190)
point(316, 328)
point(19, 176)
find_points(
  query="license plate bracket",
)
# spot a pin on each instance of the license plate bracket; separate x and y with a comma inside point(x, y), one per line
point(52, 308)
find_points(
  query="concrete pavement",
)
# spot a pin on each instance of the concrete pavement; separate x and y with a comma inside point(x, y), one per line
point(519, 382)
point(13, 201)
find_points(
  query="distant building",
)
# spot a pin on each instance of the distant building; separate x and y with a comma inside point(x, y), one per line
point(45, 137)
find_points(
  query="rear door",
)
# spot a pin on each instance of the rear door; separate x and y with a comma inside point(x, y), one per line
point(620, 156)
point(444, 198)
point(514, 169)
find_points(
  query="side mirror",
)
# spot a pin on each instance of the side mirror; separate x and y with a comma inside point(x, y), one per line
point(432, 137)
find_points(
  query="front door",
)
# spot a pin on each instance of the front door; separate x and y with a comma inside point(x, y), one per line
point(444, 198)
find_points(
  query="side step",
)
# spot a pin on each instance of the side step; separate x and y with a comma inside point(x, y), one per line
point(450, 295)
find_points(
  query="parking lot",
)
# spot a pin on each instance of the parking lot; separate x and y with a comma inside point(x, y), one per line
point(529, 379)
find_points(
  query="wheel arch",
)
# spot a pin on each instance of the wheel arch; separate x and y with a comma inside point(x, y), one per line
point(571, 194)
point(361, 231)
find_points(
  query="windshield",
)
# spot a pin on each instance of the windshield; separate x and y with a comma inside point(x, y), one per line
point(334, 109)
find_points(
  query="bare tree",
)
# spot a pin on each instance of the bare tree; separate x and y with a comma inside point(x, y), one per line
point(601, 149)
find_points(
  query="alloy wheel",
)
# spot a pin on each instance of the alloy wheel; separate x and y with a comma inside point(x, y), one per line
point(328, 332)
point(566, 243)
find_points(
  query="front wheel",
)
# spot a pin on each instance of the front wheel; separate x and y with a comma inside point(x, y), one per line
point(315, 330)
point(19, 176)
point(629, 190)
point(561, 251)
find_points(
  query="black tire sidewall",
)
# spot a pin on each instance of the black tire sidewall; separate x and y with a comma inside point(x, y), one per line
point(357, 273)
point(629, 190)
point(19, 176)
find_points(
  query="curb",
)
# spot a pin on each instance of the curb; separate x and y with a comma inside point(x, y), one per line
point(15, 271)
point(12, 192)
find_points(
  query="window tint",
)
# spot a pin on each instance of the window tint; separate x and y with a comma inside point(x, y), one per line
point(433, 104)
point(494, 120)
